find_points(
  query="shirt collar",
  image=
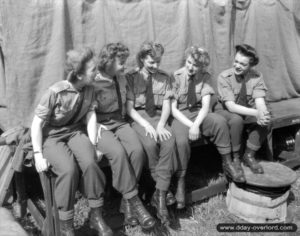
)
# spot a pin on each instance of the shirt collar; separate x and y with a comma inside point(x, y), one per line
point(146, 73)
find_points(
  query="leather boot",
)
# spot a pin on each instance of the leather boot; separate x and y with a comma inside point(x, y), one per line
point(180, 193)
point(159, 202)
point(170, 199)
point(230, 170)
point(66, 227)
point(97, 222)
point(127, 210)
point(237, 164)
point(250, 161)
point(145, 219)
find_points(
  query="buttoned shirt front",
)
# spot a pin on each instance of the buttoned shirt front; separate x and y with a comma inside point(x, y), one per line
point(180, 83)
point(229, 86)
point(106, 96)
point(137, 82)
point(62, 102)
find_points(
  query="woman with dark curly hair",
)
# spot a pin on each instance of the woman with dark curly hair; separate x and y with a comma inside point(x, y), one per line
point(59, 139)
point(242, 103)
point(114, 137)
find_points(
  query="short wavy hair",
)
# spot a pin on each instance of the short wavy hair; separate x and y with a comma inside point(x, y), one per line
point(248, 51)
point(149, 48)
point(199, 54)
point(76, 62)
point(109, 52)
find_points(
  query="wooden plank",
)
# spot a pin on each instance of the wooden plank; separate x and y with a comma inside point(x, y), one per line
point(207, 192)
point(6, 172)
point(9, 171)
point(5, 156)
point(35, 213)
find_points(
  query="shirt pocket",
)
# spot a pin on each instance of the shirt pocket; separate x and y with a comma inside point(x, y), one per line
point(182, 95)
point(159, 94)
point(107, 101)
point(62, 111)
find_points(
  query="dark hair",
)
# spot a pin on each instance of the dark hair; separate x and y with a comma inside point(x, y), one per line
point(109, 52)
point(76, 62)
point(200, 55)
point(248, 51)
point(149, 48)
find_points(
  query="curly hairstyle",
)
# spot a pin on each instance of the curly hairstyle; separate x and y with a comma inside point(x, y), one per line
point(248, 51)
point(199, 54)
point(152, 49)
point(76, 62)
point(109, 52)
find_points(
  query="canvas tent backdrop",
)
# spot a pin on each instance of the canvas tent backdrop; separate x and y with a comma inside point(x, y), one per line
point(35, 35)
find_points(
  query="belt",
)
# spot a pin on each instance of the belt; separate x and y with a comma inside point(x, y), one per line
point(143, 108)
point(109, 116)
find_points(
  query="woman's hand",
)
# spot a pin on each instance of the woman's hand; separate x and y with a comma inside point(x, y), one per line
point(99, 136)
point(150, 131)
point(194, 132)
point(41, 164)
point(263, 118)
point(162, 133)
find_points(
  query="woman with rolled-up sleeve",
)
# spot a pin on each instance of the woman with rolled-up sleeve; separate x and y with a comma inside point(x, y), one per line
point(193, 118)
point(114, 137)
point(59, 139)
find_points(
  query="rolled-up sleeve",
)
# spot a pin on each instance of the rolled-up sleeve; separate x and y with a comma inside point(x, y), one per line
point(225, 89)
point(45, 107)
point(175, 87)
point(129, 88)
point(169, 91)
point(259, 89)
point(207, 88)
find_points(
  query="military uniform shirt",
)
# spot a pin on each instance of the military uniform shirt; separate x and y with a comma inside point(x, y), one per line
point(181, 83)
point(229, 86)
point(106, 96)
point(137, 81)
point(61, 103)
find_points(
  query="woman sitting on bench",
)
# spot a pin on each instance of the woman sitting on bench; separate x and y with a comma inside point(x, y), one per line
point(148, 104)
point(115, 138)
point(192, 119)
point(242, 95)
point(59, 139)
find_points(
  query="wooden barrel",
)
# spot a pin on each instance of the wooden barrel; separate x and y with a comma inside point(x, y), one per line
point(256, 208)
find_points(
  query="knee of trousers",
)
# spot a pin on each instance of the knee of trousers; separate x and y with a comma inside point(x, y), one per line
point(218, 123)
point(236, 121)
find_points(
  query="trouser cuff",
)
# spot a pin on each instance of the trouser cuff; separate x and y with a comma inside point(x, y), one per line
point(224, 150)
point(66, 215)
point(180, 173)
point(236, 148)
point(94, 203)
point(252, 146)
point(130, 194)
point(162, 185)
